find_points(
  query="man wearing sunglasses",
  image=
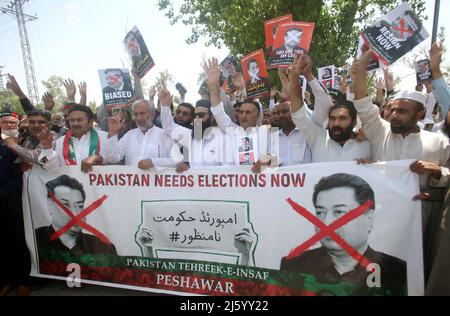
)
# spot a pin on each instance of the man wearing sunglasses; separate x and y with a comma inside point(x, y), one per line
point(204, 144)
point(184, 115)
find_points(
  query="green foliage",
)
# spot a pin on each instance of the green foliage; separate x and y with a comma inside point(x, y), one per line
point(164, 78)
point(239, 24)
point(9, 101)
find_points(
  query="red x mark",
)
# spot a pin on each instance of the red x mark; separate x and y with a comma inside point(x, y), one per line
point(78, 219)
point(113, 79)
point(330, 231)
point(402, 28)
point(133, 44)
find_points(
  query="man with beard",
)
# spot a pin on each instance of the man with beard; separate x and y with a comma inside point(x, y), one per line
point(249, 116)
point(15, 265)
point(204, 145)
point(402, 138)
point(146, 146)
point(30, 149)
point(27, 107)
point(337, 142)
point(82, 145)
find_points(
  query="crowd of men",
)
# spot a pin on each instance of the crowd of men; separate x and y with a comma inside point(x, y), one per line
point(297, 127)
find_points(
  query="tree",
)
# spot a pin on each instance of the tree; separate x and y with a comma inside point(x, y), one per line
point(238, 24)
point(163, 77)
point(8, 102)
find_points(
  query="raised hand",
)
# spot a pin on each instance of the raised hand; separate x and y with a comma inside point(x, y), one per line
point(164, 96)
point(49, 103)
point(83, 92)
point(389, 79)
point(212, 72)
point(152, 92)
point(71, 89)
point(436, 52)
point(14, 87)
point(343, 84)
point(379, 84)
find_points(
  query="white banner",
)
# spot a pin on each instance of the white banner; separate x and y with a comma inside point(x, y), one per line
point(306, 230)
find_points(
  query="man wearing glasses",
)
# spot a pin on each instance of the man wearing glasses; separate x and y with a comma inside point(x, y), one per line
point(184, 115)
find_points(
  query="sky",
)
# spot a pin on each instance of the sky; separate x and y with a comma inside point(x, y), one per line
point(76, 38)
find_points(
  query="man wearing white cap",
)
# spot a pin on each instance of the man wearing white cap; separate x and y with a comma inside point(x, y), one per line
point(402, 138)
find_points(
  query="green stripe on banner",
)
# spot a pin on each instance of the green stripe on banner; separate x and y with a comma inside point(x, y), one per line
point(137, 271)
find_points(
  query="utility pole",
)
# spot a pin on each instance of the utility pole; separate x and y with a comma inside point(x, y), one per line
point(15, 10)
point(437, 4)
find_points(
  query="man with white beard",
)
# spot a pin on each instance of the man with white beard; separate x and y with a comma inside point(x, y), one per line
point(146, 146)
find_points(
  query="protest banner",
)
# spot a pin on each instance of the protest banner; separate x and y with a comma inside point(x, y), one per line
point(423, 71)
point(229, 67)
point(374, 62)
point(327, 76)
point(270, 30)
point(292, 38)
point(227, 231)
point(141, 59)
point(116, 87)
point(254, 71)
point(395, 34)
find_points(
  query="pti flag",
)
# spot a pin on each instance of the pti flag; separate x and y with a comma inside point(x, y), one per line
point(116, 86)
point(327, 77)
point(396, 34)
point(137, 49)
point(292, 38)
point(270, 29)
point(255, 74)
point(423, 71)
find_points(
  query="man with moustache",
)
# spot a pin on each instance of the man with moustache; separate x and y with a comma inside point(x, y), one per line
point(204, 145)
point(15, 266)
point(402, 138)
point(289, 140)
point(82, 145)
point(337, 142)
point(147, 146)
point(30, 149)
point(249, 115)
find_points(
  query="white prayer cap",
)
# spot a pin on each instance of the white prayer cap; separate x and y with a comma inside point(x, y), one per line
point(412, 95)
